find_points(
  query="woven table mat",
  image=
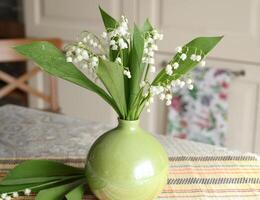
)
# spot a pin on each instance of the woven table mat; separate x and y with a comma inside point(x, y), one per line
point(194, 177)
point(197, 171)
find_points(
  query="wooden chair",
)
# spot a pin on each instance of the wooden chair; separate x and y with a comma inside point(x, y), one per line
point(7, 54)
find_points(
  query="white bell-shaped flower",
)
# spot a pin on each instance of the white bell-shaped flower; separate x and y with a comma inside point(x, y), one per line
point(178, 49)
point(189, 81)
point(112, 42)
point(175, 65)
point(104, 35)
point(85, 54)
point(15, 194)
point(27, 192)
point(193, 57)
point(198, 58)
point(190, 87)
point(168, 102)
point(169, 70)
point(183, 56)
point(69, 59)
point(162, 96)
point(119, 60)
point(114, 47)
point(203, 63)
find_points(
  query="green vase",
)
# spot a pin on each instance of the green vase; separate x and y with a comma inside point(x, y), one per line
point(127, 163)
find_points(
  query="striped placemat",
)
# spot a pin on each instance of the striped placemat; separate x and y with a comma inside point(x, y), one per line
point(194, 177)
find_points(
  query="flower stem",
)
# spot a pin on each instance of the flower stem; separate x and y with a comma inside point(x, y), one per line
point(146, 72)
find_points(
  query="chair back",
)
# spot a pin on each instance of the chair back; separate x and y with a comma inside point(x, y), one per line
point(8, 54)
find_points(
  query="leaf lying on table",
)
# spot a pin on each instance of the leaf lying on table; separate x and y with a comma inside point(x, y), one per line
point(53, 179)
point(34, 171)
point(57, 193)
point(77, 193)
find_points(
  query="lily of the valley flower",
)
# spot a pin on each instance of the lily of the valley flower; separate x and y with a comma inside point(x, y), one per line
point(203, 63)
point(118, 39)
point(178, 49)
point(127, 73)
point(10, 196)
point(27, 191)
point(175, 65)
point(183, 56)
point(15, 194)
point(169, 70)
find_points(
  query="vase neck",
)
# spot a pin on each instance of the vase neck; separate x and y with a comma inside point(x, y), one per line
point(130, 125)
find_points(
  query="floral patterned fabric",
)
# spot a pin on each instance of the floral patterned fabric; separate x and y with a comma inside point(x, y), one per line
point(201, 114)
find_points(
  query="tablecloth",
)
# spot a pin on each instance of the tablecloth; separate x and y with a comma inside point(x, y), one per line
point(197, 171)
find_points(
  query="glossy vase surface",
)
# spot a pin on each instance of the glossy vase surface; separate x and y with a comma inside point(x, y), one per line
point(127, 163)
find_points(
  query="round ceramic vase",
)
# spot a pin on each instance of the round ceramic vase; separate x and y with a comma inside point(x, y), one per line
point(127, 163)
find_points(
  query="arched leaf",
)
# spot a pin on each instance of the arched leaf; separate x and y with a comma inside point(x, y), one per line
point(52, 60)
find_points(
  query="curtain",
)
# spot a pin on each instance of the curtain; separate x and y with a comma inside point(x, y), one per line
point(201, 114)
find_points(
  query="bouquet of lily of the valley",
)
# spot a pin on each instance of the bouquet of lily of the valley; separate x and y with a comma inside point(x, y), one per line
point(119, 67)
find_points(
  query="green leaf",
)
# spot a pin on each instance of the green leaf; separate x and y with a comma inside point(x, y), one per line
point(77, 193)
point(47, 185)
point(37, 186)
point(14, 188)
point(147, 27)
point(206, 44)
point(33, 171)
point(20, 181)
point(136, 66)
point(109, 22)
point(111, 74)
point(113, 54)
point(51, 60)
point(59, 192)
point(133, 112)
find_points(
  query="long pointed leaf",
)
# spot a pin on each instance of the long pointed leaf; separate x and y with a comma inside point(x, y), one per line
point(59, 192)
point(20, 181)
point(15, 188)
point(37, 186)
point(51, 60)
point(76, 194)
point(109, 22)
point(40, 169)
point(136, 66)
point(206, 44)
point(147, 27)
point(111, 74)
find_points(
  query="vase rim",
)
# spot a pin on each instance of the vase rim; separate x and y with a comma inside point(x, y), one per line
point(124, 121)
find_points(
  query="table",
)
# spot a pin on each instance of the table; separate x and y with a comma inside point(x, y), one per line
point(197, 171)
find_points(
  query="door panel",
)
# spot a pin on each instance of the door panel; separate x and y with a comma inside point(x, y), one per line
point(242, 113)
point(182, 20)
point(257, 132)
point(65, 18)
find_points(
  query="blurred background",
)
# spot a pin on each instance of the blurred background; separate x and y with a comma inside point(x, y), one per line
point(224, 107)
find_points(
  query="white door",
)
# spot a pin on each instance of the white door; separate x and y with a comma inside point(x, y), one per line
point(180, 21)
